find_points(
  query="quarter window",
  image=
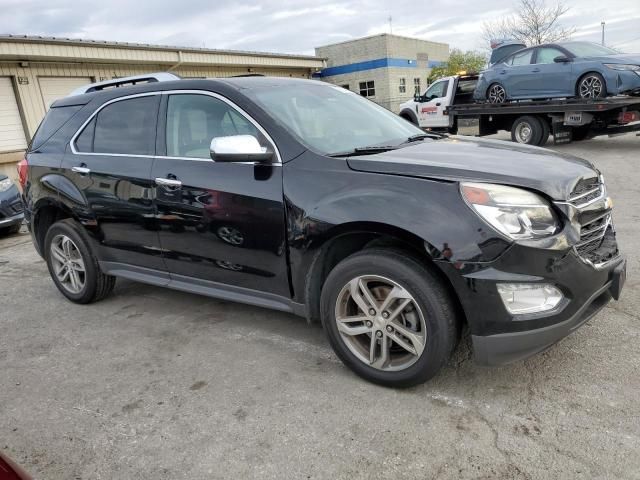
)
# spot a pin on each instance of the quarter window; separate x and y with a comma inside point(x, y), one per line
point(402, 88)
point(124, 127)
point(194, 120)
point(368, 89)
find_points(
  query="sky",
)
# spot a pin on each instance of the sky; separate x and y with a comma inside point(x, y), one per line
point(298, 26)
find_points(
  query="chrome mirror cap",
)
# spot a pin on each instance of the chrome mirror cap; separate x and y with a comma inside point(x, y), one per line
point(239, 148)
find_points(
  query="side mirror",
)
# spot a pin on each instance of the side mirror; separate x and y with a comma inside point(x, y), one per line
point(239, 148)
point(561, 59)
point(417, 98)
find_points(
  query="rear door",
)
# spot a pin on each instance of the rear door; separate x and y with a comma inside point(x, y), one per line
point(431, 112)
point(515, 73)
point(110, 161)
point(549, 78)
point(220, 222)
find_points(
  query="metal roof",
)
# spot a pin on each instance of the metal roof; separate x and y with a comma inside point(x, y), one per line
point(145, 46)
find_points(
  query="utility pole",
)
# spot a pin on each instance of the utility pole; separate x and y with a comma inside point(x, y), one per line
point(602, 33)
point(390, 24)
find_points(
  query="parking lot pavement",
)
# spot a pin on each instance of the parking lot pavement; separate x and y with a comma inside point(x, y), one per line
point(154, 384)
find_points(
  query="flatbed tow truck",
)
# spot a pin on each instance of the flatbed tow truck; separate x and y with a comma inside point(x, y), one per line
point(447, 105)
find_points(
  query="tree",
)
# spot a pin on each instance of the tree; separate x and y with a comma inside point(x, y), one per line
point(533, 23)
point(469, 61)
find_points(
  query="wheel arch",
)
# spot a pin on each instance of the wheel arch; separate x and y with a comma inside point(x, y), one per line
point(46, 212)
point(409, 115)
point(349, 238)
point(588, 72)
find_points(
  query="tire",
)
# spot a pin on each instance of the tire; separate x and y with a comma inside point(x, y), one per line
point(409, 117)
point(527, 130)
point(591, 86)
point(92, 285)
point(496, 93)
point(429, 317)
point(546, 131)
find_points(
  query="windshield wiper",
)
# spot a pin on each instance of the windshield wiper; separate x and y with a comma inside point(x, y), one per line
point(422, 136)
point(365, 151)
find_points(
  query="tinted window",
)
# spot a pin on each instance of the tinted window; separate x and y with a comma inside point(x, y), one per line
point(55, 118)
point(523, 58)
point(547, 54)
point(194, 120)
point(126, 127)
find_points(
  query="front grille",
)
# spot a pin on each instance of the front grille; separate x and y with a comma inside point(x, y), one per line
point(599, 250)
point(586, 190)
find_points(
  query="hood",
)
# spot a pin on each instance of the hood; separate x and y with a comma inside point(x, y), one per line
point(625, 58)
point(495, 161)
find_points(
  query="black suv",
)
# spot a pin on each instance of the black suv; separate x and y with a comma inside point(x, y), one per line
point(304, 197)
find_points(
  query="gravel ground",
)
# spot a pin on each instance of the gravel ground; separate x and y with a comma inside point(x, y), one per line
point(155, 384)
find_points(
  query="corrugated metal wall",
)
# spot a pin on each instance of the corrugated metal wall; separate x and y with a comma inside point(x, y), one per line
point(30, 98)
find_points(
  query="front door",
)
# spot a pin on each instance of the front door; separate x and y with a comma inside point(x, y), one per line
point(220, 222)
point(431, 111)
point(110, 163)
point(548, 77)
point(515, 74)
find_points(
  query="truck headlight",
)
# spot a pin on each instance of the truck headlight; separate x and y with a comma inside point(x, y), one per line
point(5, 184)
point(514, 212)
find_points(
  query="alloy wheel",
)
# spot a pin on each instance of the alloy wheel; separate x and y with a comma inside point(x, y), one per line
point(590, 87)
point(497, 94)
point(68, 265)
point(380, 323)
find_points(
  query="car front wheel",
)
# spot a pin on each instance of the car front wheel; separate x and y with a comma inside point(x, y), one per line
point(388, 317)
point(591, 86)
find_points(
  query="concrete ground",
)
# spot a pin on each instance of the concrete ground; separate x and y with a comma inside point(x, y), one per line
point(156, 384)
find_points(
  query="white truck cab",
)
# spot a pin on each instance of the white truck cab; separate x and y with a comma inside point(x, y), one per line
point(429, 110)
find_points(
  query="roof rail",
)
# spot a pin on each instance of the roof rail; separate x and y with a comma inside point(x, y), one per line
point(126, 81)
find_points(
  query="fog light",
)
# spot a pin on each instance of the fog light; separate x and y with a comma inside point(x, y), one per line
point(521, 298)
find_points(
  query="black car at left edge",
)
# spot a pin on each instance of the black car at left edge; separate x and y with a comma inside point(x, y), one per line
point(304, 197)
point(11, 209)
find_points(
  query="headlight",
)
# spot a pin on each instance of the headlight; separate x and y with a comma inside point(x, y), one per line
point(514, 212)
point(5, 185)
point(620, 66)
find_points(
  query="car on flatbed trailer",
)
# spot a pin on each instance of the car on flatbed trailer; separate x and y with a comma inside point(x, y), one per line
point(447, 105)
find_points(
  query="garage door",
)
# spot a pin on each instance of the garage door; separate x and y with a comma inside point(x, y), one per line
point(11, 129)
point(53, 88)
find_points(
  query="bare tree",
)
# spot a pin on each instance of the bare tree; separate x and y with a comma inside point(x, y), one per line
point(533, 23)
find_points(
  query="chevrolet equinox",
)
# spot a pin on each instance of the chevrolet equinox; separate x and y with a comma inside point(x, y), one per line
point(304, 197)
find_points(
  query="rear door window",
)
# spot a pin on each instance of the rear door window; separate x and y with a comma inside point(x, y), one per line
point(125, 127)
point(522, 58)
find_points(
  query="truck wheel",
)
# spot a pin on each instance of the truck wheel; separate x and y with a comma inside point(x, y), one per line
point(73, 268)
point(591, 86)
point(409, 117)
point(546, 131)
point(496, 93)
point(527, 130)
point(388, 318)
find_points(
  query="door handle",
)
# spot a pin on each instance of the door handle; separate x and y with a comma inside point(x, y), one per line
point(535, 70)
point(438, 104)
point(502, 72)
point(82, 170)
point(169, 182)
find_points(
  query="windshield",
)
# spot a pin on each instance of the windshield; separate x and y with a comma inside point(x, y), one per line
point(330, 119)
point(587, 49)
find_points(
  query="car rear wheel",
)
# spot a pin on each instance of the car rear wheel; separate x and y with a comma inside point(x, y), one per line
point(528, 130)
point(496, 93)
point(73, 268)
point(591, 86)
point(388, 318)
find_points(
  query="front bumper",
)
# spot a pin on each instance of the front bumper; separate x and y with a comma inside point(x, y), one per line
point(11, 221)
point(504, 348)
